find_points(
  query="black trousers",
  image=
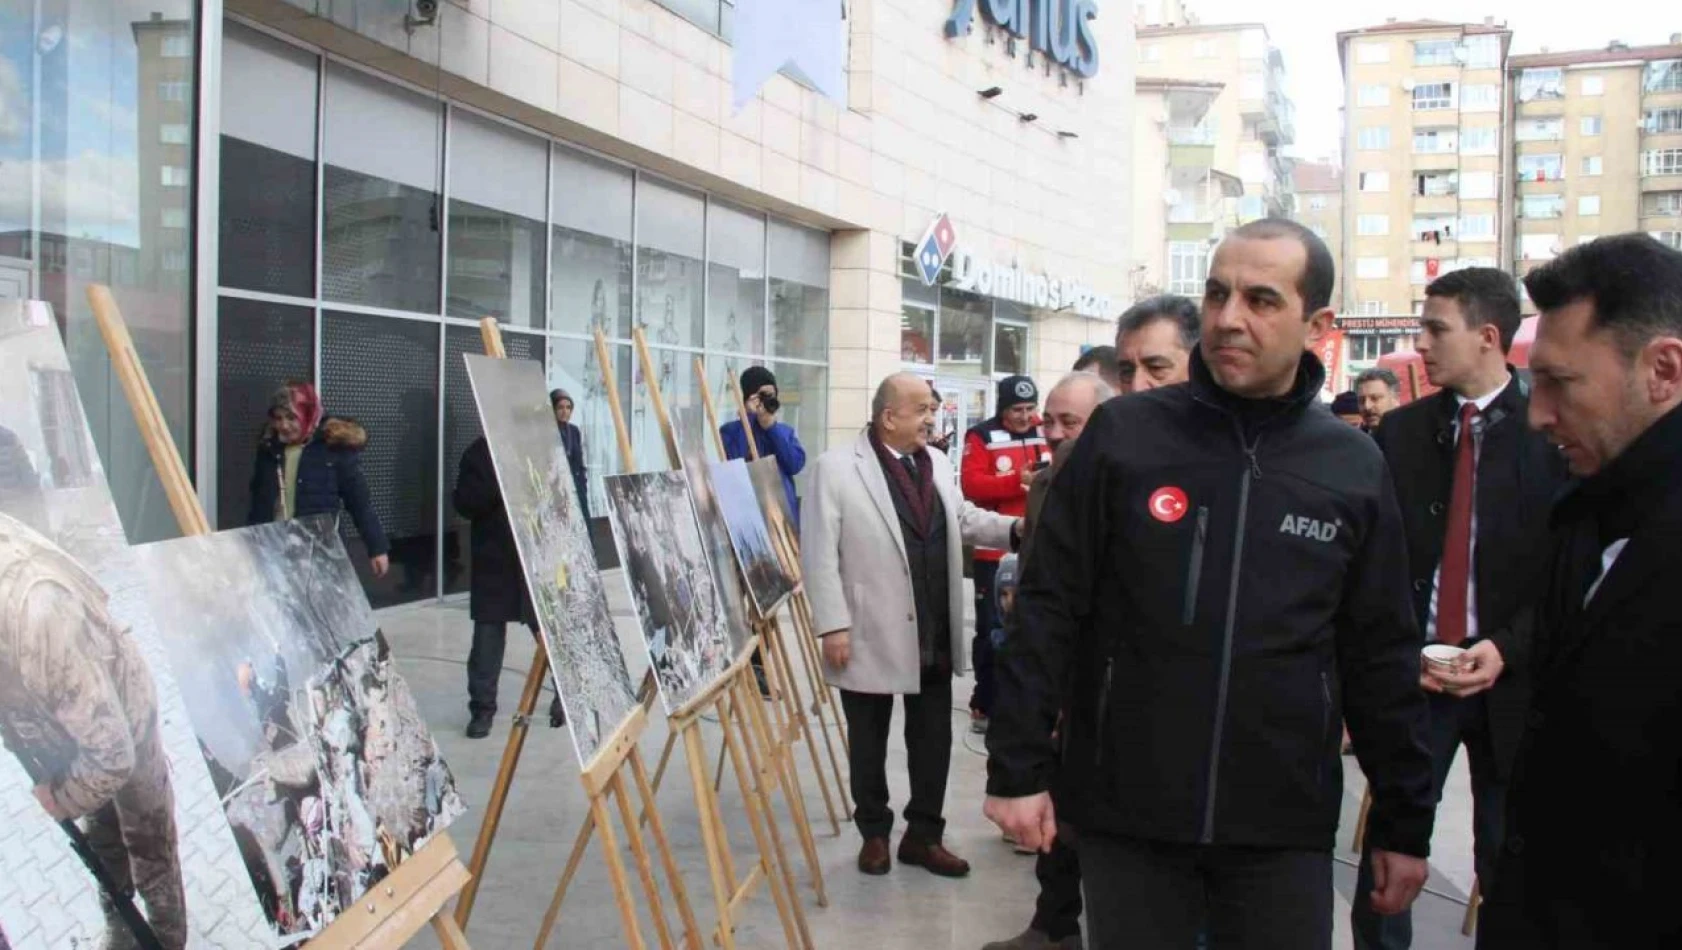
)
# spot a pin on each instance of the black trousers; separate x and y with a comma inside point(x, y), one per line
point(981, 647)
point(1057, 910)
point(484, 666)
point(928, 745)
point(1454, 722)
point(1150, 895)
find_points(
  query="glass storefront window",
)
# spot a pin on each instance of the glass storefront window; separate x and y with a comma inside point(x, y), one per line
point(966, 322)
point(735, 280)
point(590, 251)
point(916, 334)
point(1010, 349)
point(799, 266)
point(804, 392)
point(572, 366)
point(670, 243)
point(498, 181)
point(259, 347)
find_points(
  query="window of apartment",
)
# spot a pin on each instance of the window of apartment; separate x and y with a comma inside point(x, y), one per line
point(1434, 53)
point(1372, 268)
point(1374, 181)
point(1588, 206)
point(1370, 308)
point(173, 176)
point(1317, 203)
point(173, 218)
point(1663, 120)
point(1538, 247)
point(1377, 94)
point(1432, 96)
point(1593, 86)
point(174, 91)
point(1662, 161)
point(1664, 76)
point(1480, 97)
point(1252, 86)
point(1551, 129)
point(1372, 225)
point(1540, 168)
point(177, 47)
point(1477, 227)
point(1541, 206)
point(1252, 44)
point(1188, 267)
point(1483, 51)
point(1373, 137)
point(1548, 83)
point(1375, 51)
point(1435, 141)
point(1591, 166)
point(1436, 228)
point(1151, 53)
point(1671, 239)
point(1478, 140)
point(174, 133)
point(1590, 125)
point(1203, 49)
point(1436, 184)
point(1477, 185)
point(1418, 270)
point(1662, 203)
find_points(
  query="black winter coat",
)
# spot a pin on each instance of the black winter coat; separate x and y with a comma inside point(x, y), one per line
point(329, 476)
point(498, 592)
point(1220, 583)
point(1519, 476)
point(1594, 808)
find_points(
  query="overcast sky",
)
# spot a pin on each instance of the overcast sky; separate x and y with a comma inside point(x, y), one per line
point(1307, 35)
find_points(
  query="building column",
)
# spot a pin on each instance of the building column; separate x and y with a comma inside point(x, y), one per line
point(864, 318)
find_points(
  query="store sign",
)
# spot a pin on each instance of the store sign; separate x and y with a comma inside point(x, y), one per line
point(977, 275)
point(1378, 326)
point(1058, 29)
point(1330, 352)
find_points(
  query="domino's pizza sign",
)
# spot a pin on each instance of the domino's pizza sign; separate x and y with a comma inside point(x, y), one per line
point(972, 273)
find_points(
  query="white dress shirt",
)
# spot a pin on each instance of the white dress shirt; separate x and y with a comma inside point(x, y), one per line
point(1483, 403)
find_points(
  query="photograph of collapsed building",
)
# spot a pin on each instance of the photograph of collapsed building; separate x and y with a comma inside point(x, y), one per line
point(750, 537)
point(111, 832)
point(553, 539)
point(321, 760)
point(767, 481)
point(698, 473)
point(671, 582)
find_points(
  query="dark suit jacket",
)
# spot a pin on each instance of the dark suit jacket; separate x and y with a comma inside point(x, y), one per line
point(1519, 476)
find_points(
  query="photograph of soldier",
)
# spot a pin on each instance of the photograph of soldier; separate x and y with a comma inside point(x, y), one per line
point(671, 581)
point(321, 760)
point(750, 536)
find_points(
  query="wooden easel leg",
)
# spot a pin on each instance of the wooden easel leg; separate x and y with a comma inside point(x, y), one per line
point(1361, 823)
point(504, 781)
point(779, 758)
point(665, 759)
point(794, 711)
point(771, 865)
point(639, 854)
point(1470, 924)
point(579, 845)
point(449, 932)
point(616, 872)
point(657, 827)
point(714, 845)
point(822, 697)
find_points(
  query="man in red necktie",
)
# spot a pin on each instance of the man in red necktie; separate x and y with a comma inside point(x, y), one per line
point(1474, 484)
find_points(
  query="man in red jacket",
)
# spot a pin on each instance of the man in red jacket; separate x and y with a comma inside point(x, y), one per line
point(1001, 456)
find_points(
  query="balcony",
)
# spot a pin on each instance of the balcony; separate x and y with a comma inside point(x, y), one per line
point(1436, 204)
point(1191, 147)
point(1443, 247)
point(1435, 161)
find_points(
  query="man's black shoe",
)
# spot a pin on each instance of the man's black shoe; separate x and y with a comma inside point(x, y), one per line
point(557, 714)
point(480, 725)
point(759, 677)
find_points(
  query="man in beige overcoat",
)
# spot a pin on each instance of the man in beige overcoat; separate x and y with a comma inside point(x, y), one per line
point(882, 538)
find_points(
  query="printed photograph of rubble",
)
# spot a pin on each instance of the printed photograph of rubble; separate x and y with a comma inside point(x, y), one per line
point(585, 656)
point(767, 481)
point(768, 582)
point(671, 581)
point(320, 758)
point(109, 821)
point(698, 471)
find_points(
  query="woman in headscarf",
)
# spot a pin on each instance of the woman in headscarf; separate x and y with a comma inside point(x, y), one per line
point(310, 464)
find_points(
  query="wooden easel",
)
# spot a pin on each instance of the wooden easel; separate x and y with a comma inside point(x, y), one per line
point(603, 778)
point(416, 891)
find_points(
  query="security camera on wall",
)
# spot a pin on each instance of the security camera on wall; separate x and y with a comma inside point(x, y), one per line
point(421, 13)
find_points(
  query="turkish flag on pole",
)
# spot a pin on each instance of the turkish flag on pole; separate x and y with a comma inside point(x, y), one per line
point(1330, 352)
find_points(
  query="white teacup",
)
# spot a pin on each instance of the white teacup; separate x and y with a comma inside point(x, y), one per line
point(1443, 658)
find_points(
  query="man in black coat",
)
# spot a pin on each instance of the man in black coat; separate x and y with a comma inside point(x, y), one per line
point(1594, 813)
point(572, 440)
point(1218, 578)
point(1475, 498)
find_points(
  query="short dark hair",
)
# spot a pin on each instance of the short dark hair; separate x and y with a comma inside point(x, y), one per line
point(1379, 374)
point(1319, 274)
point(1634, 282)
point(1183, 311)
point(1485, 295)
point(1097, 359)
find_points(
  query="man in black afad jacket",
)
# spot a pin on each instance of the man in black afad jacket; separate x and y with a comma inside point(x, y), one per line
point(1219, 577)
point(1475, 484)
point(1594, 810)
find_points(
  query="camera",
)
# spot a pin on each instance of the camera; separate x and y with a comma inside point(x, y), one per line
point(422, 13)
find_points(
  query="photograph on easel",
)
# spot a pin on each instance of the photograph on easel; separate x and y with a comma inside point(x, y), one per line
point(553, 539)
point(768, 580)
point(110, 825)
point(671, 581)
point(779, 520)
point(717, 536)
point(321, 759)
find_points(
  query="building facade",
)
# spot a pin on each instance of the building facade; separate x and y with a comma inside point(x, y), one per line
point(1597, 148)
point(1317, 197)
point(361, 183)
point(1182, 203)
point(1423, 168)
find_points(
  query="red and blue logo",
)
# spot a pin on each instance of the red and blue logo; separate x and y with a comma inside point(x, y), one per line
point(935, 247)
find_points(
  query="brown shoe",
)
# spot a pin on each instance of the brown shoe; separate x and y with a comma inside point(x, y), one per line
point(873, 857)
point(933, 857)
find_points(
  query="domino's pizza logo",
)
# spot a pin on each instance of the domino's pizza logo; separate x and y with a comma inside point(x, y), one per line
point(935, 247)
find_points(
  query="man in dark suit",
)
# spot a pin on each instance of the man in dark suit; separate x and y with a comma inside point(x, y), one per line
point(1594, 815)
point(1474, 485)
point(572, 439)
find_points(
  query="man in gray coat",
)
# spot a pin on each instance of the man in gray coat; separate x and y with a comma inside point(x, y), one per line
point(882, 538)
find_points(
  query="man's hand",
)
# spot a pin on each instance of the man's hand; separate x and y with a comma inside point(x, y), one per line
point(765, 418)
point(380, 565)
point(1028, 477)
point(838, 650)
point(1480, 667)
point(1397, 879)
point(44, 795)
point(1030, 822)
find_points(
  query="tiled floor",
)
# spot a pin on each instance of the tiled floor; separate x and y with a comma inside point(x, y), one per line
point(909, 908)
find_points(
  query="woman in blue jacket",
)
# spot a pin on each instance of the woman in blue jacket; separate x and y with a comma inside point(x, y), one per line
point(309, 464)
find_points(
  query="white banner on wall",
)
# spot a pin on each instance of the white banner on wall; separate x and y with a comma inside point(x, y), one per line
point(808, 35)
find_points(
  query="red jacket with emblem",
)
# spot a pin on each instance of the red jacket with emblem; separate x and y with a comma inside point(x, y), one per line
point(994, 460)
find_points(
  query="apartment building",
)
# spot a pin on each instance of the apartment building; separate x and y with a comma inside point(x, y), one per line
point(1596, 147)
point(1317, 193)
point(1182, 203)
point(1422, 154)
